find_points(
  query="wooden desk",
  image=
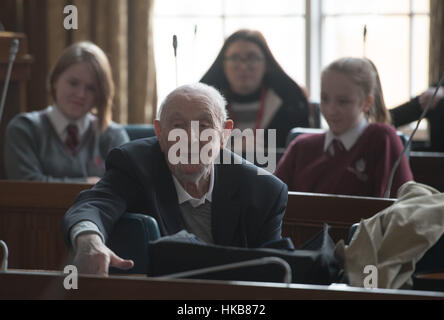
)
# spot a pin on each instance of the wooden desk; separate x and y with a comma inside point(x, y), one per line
point(31, 213)
point(23, 284)
point(428, 168)
point(30, 222)
point(307, 212)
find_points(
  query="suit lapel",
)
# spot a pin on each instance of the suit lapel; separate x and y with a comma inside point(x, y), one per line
point(167, 205)
point(226, 204)
point(226, 207)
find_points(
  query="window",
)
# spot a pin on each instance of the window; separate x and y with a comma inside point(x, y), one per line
point(202, 25)
point(304, 36)
point(397, 41)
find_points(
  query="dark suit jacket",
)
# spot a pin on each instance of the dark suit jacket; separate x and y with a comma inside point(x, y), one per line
point(247, 208)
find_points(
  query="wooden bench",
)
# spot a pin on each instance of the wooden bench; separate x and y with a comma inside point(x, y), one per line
point(30, 222)
point(428, 168)
point(25, 284)
point(307, 212)
point(31, 215)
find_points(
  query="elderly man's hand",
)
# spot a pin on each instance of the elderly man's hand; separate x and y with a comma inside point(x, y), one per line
point(93, 257)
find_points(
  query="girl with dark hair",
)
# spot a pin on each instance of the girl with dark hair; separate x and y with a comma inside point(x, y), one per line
point(260, 94)
point(69, 140)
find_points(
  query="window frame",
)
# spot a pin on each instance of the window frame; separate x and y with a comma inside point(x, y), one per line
point(314, 22)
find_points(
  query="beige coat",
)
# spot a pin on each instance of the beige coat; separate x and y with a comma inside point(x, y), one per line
point(395, 239)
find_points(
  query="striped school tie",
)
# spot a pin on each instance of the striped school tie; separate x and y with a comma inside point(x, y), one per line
point(72, 139)
point(338, 147)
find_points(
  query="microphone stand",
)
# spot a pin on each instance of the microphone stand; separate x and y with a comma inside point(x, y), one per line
point(364, 41)
point(286, 278)
point(13, 53)
point(398, 161)
point(4, 261)
point(175, 57)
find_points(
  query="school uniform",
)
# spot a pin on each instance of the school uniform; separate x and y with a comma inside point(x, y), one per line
point(358, 162)
point(46, 146)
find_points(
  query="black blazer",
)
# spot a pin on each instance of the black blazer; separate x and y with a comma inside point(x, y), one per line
point(247, 208)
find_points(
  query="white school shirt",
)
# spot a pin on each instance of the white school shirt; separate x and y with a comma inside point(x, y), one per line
point(348, 138)
point(60, 122)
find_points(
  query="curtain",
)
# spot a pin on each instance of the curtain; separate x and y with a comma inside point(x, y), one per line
point(436, 64)
point(123, 29)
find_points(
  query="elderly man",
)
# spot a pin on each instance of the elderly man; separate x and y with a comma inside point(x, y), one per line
point(221, 202)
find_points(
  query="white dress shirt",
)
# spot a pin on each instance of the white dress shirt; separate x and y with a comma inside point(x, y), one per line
point(60, 122)
point(183, 196)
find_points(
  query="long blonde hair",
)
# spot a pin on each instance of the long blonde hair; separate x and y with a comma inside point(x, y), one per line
point(364, 74)
point(88, 52)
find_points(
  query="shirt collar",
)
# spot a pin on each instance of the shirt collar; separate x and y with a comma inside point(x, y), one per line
point(60, 122)
point(348, 138)
point(184, 196)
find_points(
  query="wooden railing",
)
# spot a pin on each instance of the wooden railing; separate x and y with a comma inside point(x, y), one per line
point(428, 168)
point(31, 215)
point(30, 222)
point(307, 212)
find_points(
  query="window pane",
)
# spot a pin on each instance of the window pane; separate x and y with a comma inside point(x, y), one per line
point(195, 52)
point(388, 50)
point(420, 58)
point(365, 6)
point(264, 7)
point(285, 37)
point(283, 24)
point(187, 7)
point(422, 6)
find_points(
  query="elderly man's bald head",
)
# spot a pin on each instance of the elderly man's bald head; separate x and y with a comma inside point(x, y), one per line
point(192, 128)
point(202, 94)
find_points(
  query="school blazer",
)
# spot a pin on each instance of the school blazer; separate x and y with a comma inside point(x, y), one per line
point(247, 208)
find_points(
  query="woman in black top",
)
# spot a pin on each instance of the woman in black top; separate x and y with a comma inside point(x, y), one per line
point(412, 110)
point(260, 94)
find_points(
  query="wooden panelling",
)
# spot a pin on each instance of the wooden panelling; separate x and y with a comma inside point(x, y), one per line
point(16, 99)
point(30, 222)
point(31, 214)
point(428, 168)
point(307, 212)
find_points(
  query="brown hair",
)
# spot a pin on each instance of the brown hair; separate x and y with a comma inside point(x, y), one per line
point(90, 53)
point(275, 77)
point(364, 74)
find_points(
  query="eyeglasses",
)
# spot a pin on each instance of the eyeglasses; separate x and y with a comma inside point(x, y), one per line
point(251, 60)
